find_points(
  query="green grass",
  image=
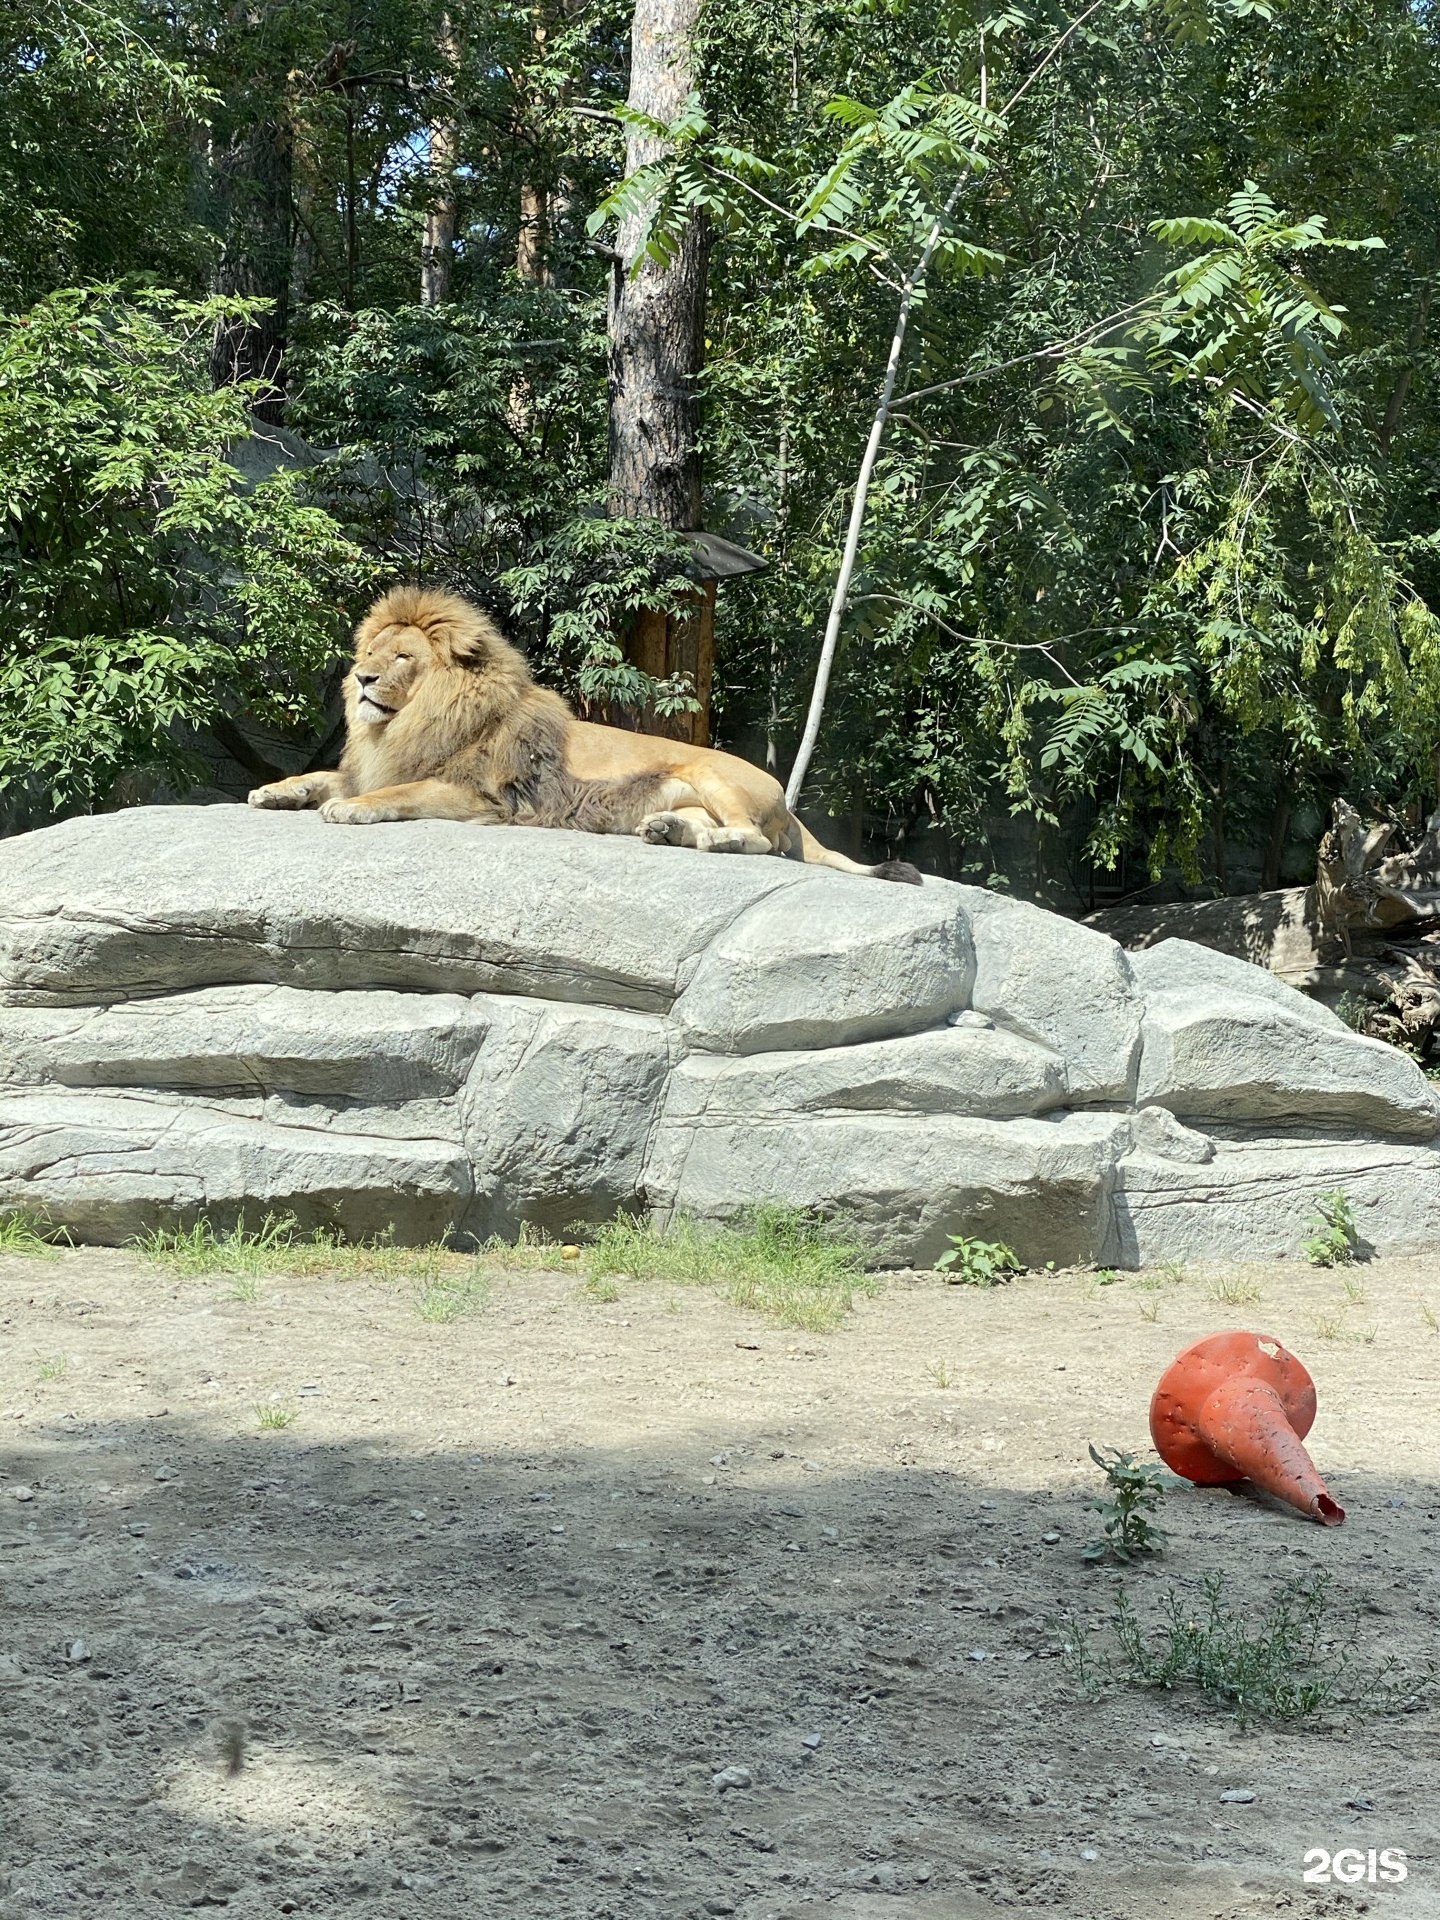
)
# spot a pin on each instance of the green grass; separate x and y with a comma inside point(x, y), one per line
point(245, 1257)
point(784, 1264)
point(273, 1415)
point(30, 1234)
point(447, 1284)
point(1286, 1663)
point(449, 1295)
point(51, 1366)
point(1234, 1290)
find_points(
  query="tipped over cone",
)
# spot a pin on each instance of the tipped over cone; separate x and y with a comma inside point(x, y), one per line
point(1237, 1406)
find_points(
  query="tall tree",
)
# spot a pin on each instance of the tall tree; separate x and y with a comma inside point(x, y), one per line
point(253, 179)
point(437, 249)
point(657, 304)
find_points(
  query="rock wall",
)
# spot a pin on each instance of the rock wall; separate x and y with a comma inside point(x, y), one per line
point(435, 1026)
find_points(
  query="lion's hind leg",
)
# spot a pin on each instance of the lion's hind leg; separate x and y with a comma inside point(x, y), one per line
point(694, 827)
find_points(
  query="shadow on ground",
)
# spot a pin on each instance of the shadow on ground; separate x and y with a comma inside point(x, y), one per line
point(567, 1685)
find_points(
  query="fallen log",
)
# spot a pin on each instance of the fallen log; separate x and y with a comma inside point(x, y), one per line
point(1366, 933)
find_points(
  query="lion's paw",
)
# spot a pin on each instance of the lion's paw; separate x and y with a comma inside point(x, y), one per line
point(345, 813)
point(663, 830)
point(279, 795)
point(723, 840)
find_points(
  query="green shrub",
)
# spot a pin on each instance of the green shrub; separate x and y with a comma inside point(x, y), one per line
point(978, 1263)
point(1333, 1238)
point(143, 590)
point(1135, 1489)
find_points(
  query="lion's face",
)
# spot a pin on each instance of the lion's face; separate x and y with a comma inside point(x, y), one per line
point(389, 666)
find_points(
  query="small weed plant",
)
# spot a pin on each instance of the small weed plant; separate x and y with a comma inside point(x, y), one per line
point(1355, 1010)
point(445, 1296)
point(51, 1366)
point(797, 1270)
point(273, 1415)
point(1333, 1234)
point(939, 1374)
point(31, 1235)
point(1288, 1663)
point(978, 1263)
point(602, 1288)
point(1133, 1492)
point(1166, 1273)
point(1234, 1290)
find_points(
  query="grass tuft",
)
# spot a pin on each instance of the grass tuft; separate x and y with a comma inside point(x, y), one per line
point(32, 1235)
point(448, 1296)
point(1234, 1290)
point(603, 1288)
point(51, 1366)
point(447, 1283)
point(784, 1264)
point(1286, 1664)
point(273, 1415)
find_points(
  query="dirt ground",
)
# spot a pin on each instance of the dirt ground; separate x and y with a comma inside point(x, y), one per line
point(482, 1625)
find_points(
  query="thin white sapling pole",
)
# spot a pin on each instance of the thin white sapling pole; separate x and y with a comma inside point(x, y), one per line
point(910, 287)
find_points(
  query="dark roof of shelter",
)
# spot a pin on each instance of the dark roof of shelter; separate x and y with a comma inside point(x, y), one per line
point(717, 559)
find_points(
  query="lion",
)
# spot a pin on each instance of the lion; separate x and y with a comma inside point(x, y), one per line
point(444, 721)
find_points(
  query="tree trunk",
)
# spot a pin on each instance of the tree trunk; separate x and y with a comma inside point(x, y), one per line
point(437, 247)
point(1275, 845)
point(255, 178)
point(1407, 373)
point(532, 246)
point(657, 315)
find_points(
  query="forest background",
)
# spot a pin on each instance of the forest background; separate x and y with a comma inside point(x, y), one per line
point(299, 299)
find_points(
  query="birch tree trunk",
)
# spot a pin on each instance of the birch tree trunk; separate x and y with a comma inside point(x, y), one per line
point(657, 316)
point(437, 246)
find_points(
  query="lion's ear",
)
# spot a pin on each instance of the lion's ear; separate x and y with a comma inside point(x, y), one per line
point(466, 648)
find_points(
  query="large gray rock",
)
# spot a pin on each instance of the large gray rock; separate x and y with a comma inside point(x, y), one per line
point(1255, 1198)
point(434, 1027)
point(379, 1048)
point(559, 1112)
point(1063, 985)
point(961, 1070)
point(813, 967)
point(904, 1185)
point(109, 1166)
point(157, 899)
point(1225, 1041)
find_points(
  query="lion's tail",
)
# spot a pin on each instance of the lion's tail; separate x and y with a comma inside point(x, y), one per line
point(816, 854)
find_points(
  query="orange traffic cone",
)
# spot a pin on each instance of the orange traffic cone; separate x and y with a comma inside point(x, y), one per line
point(1236, 1406)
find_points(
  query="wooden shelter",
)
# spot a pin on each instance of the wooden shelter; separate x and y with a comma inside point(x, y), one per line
point(664, 644)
